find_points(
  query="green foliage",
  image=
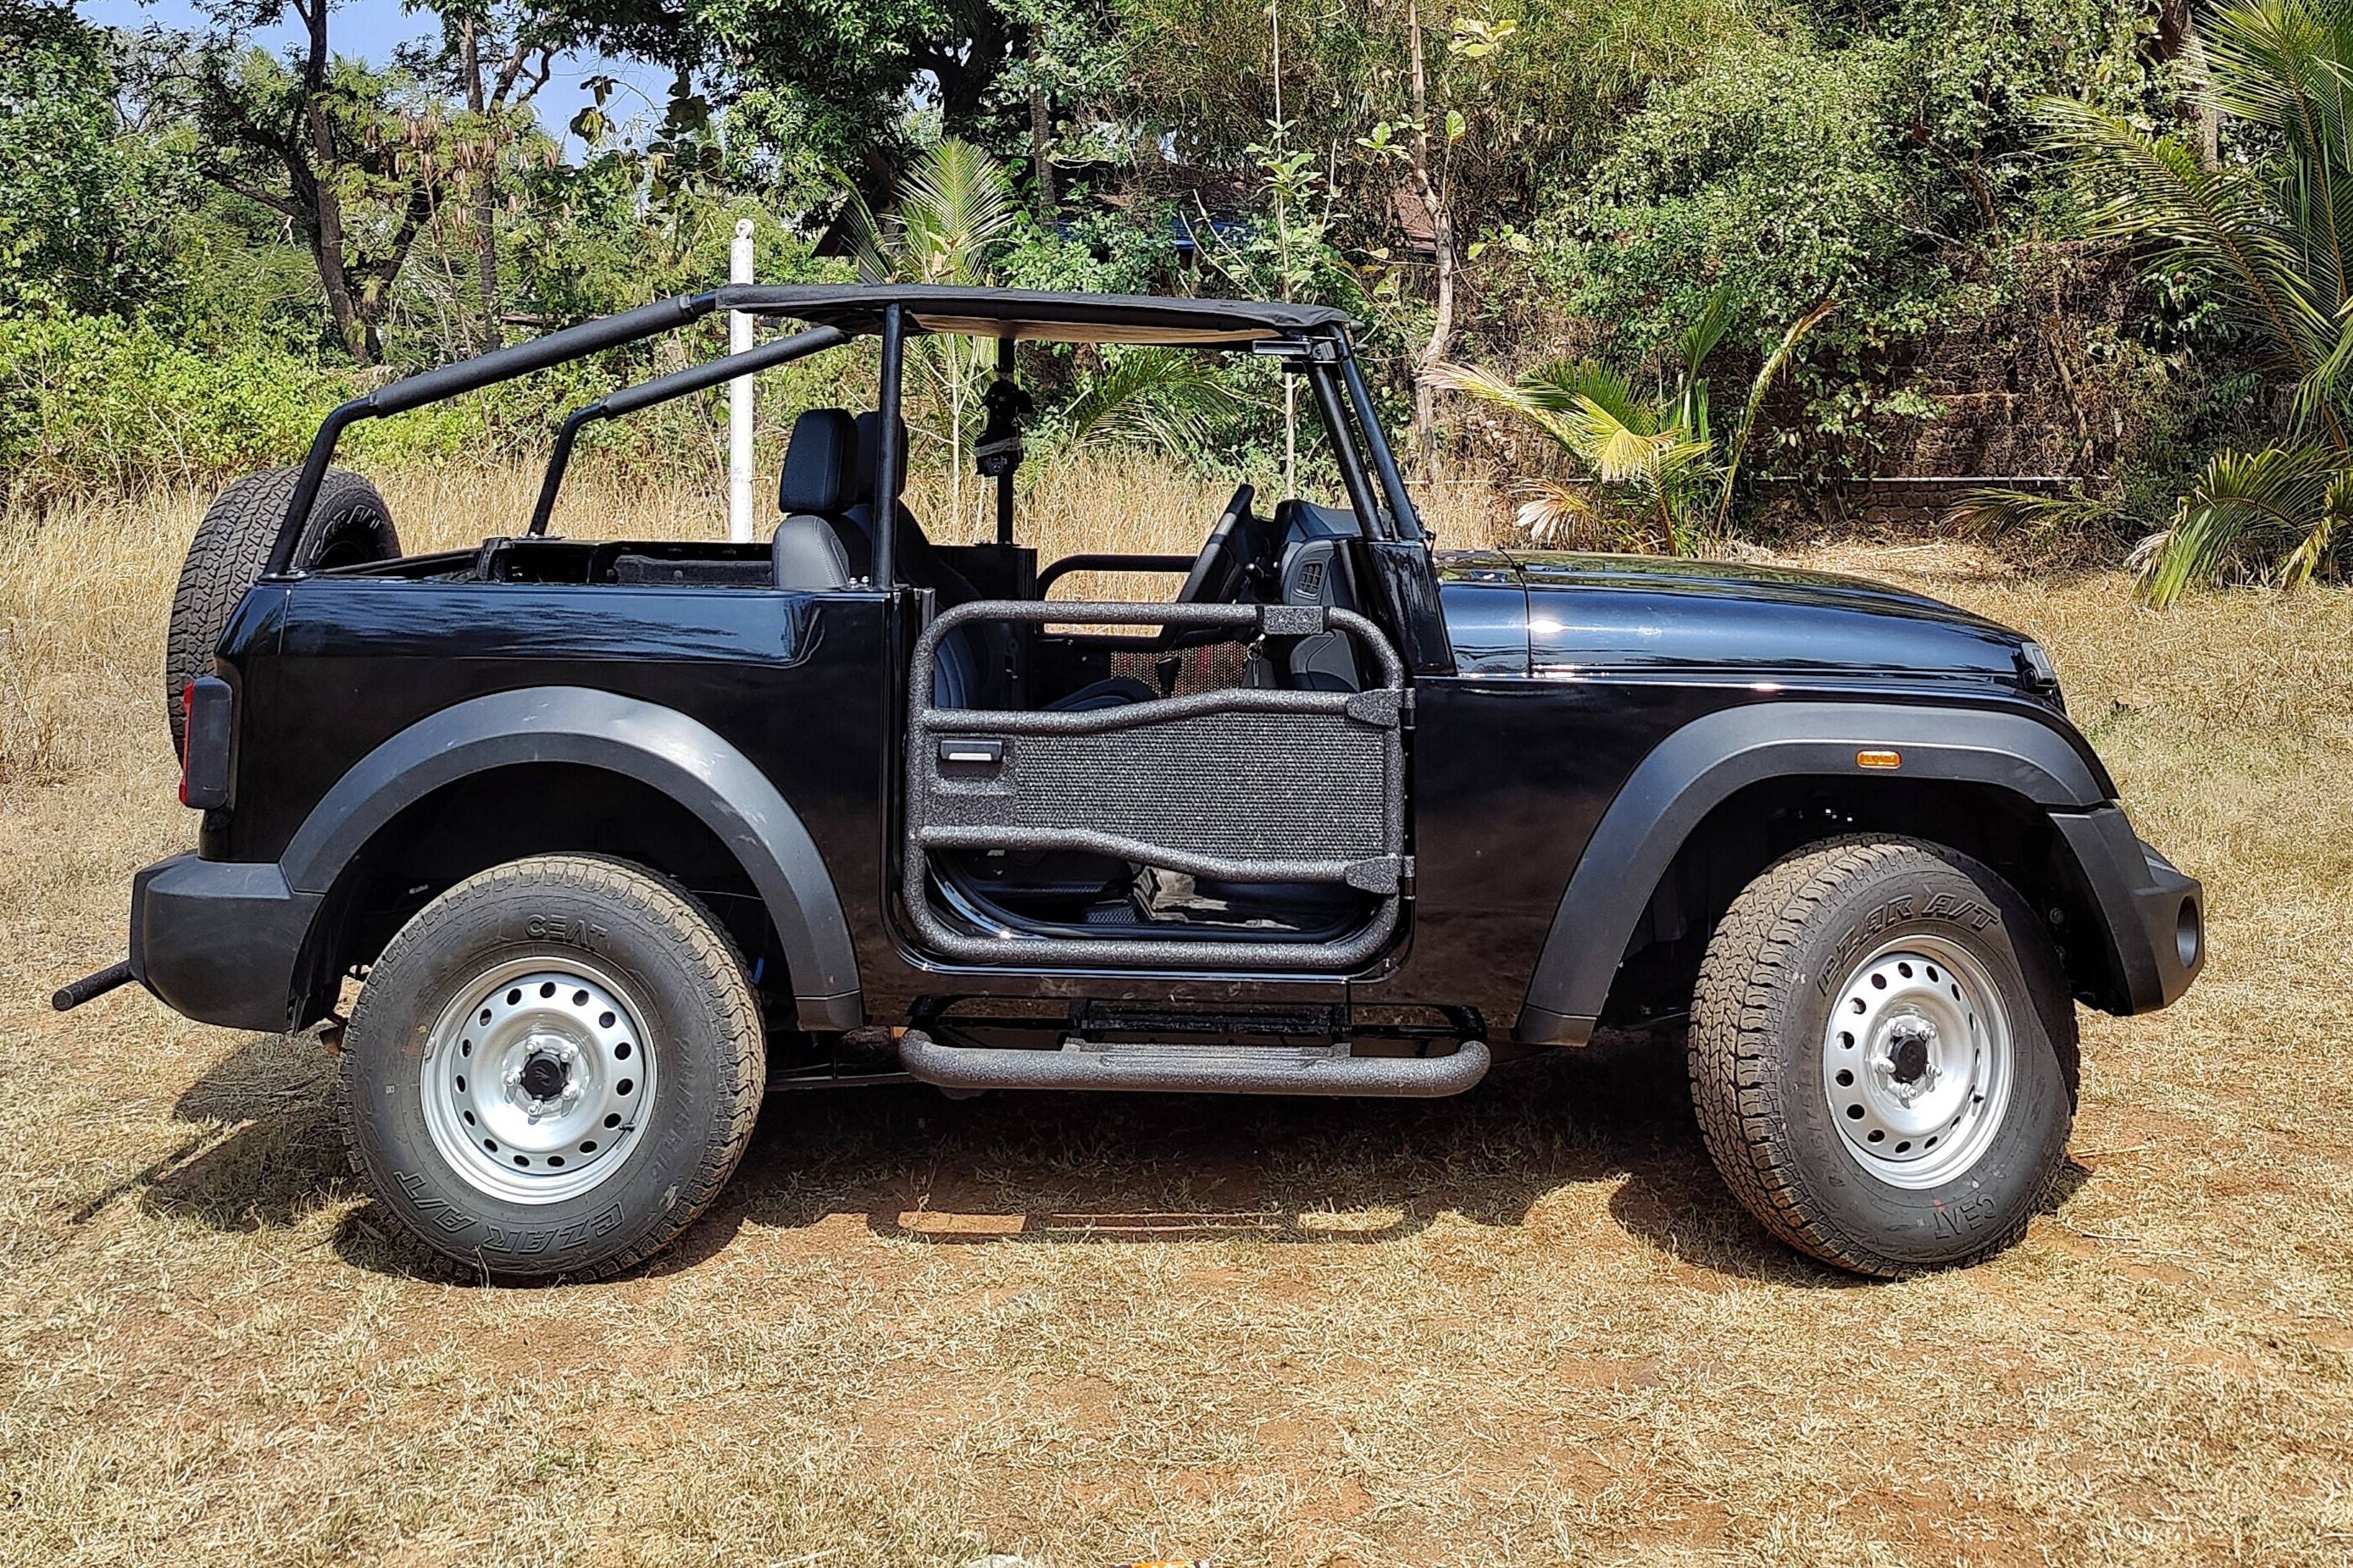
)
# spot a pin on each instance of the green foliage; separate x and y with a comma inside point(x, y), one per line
point(76, 194)
point(1770, 168)
point(2268, 237)
point(1613, 175)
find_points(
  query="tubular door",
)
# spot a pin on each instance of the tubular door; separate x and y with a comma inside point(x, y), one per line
point(1247, 786)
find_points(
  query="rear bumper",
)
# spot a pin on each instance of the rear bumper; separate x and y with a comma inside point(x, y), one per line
point(2156, 917)
point(219, 940)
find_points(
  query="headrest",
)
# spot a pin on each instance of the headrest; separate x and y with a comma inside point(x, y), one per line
point(820, 463)
point(870, 440)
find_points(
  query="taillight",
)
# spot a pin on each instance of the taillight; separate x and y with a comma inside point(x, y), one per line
point(208, 707)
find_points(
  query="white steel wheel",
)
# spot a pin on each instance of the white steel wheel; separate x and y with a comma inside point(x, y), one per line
point(535, 1078)
point(553, 1068)
point(1917, 1061)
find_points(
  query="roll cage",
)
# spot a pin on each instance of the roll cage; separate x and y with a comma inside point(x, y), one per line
point(1311, 341)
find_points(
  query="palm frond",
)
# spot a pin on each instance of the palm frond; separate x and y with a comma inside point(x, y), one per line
point(1995, 511)
point(1572, 384)
point(1620, 452)
point(1165, 398)
point(2246, 505)
point(2219, 222)
point(1766, 373)
point(2281, 64)
point(2316, 550)
point(1558, 511)
point(956, 206)
point(1542, 401)
point(1706, 329)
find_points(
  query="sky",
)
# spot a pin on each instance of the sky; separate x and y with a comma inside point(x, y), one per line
point(371, 29)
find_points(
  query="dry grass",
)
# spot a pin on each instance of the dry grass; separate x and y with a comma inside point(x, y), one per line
point(1526, 1326)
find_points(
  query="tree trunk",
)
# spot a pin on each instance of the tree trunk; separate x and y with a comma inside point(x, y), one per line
point(486, 193)
point(316, 194)
point(2178, 38)
point(326, 227)
point(1042, 133)
point(1441, 237)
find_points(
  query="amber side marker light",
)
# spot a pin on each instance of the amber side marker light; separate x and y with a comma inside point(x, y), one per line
point(1879, 759)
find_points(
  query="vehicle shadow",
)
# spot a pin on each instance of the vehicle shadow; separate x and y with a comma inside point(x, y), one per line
point(268, 1151)
point(1067, 1169)
point(1074, 1170)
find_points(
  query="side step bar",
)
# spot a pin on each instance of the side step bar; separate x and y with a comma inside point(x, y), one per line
point(1193, 1069)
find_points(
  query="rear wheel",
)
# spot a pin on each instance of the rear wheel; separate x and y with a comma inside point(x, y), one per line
point(1881, 1055)
point(348, 526)
point(553, 1068)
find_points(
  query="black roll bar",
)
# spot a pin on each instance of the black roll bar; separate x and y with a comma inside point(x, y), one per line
point(888, 458)
point(661, 389)
point(471, 375)
point(1005, 479)
point(1171, 565)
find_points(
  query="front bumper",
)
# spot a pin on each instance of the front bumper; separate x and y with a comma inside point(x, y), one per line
point(2156, 917)
point(219, 940)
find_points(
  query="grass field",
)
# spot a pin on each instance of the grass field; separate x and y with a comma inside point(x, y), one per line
point(1526, 1326)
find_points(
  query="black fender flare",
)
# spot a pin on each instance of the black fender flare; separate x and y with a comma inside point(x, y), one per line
point(678, 755)
point(1699, 765)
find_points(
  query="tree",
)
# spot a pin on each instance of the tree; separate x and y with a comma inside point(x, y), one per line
point(954, 213)
point(1426, 146)
point(497, 59)
point(84, 197)
point(2267, 232)
point(355, 159)
point(991, 70)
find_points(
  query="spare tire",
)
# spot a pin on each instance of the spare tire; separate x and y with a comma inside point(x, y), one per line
point(349, 525)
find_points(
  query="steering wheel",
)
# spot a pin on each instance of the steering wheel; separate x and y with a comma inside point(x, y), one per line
point(1203, 583)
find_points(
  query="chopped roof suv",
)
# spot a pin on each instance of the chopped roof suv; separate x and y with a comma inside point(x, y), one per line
point(620, 834)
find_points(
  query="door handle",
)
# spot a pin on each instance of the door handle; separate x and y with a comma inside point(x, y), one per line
point(969, 751)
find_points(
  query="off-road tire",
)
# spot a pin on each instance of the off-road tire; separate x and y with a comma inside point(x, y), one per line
point(1774, 967)
point(703, 1028)
point(349, 526)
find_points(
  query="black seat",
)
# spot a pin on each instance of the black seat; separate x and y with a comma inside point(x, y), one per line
point(813, 492)
point(806, 557)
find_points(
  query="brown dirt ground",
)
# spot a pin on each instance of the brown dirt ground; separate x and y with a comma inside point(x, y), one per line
point(1526, 1326)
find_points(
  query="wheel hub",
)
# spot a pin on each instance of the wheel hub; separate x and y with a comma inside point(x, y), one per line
point(1916, 1061)
point(1905, 1057)
point(546, 1072)
point(535, 1078)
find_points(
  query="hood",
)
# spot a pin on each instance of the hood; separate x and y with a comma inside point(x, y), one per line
point(1714, 620)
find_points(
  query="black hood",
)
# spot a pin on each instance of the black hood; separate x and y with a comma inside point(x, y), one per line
point(1652, 615)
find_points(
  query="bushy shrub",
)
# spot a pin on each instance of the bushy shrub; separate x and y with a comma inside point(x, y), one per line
point(86, 398)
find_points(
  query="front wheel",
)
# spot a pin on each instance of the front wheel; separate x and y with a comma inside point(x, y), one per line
point(1881, 1056)
point(553, 1068)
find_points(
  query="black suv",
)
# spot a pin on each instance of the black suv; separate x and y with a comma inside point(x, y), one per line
point(618, 835)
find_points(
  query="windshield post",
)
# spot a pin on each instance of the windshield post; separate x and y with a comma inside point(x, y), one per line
point(887, 472)
point(1401, 512)
point(1344, 446)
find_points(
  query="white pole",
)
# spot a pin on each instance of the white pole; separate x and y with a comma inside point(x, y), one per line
point(739, 395)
